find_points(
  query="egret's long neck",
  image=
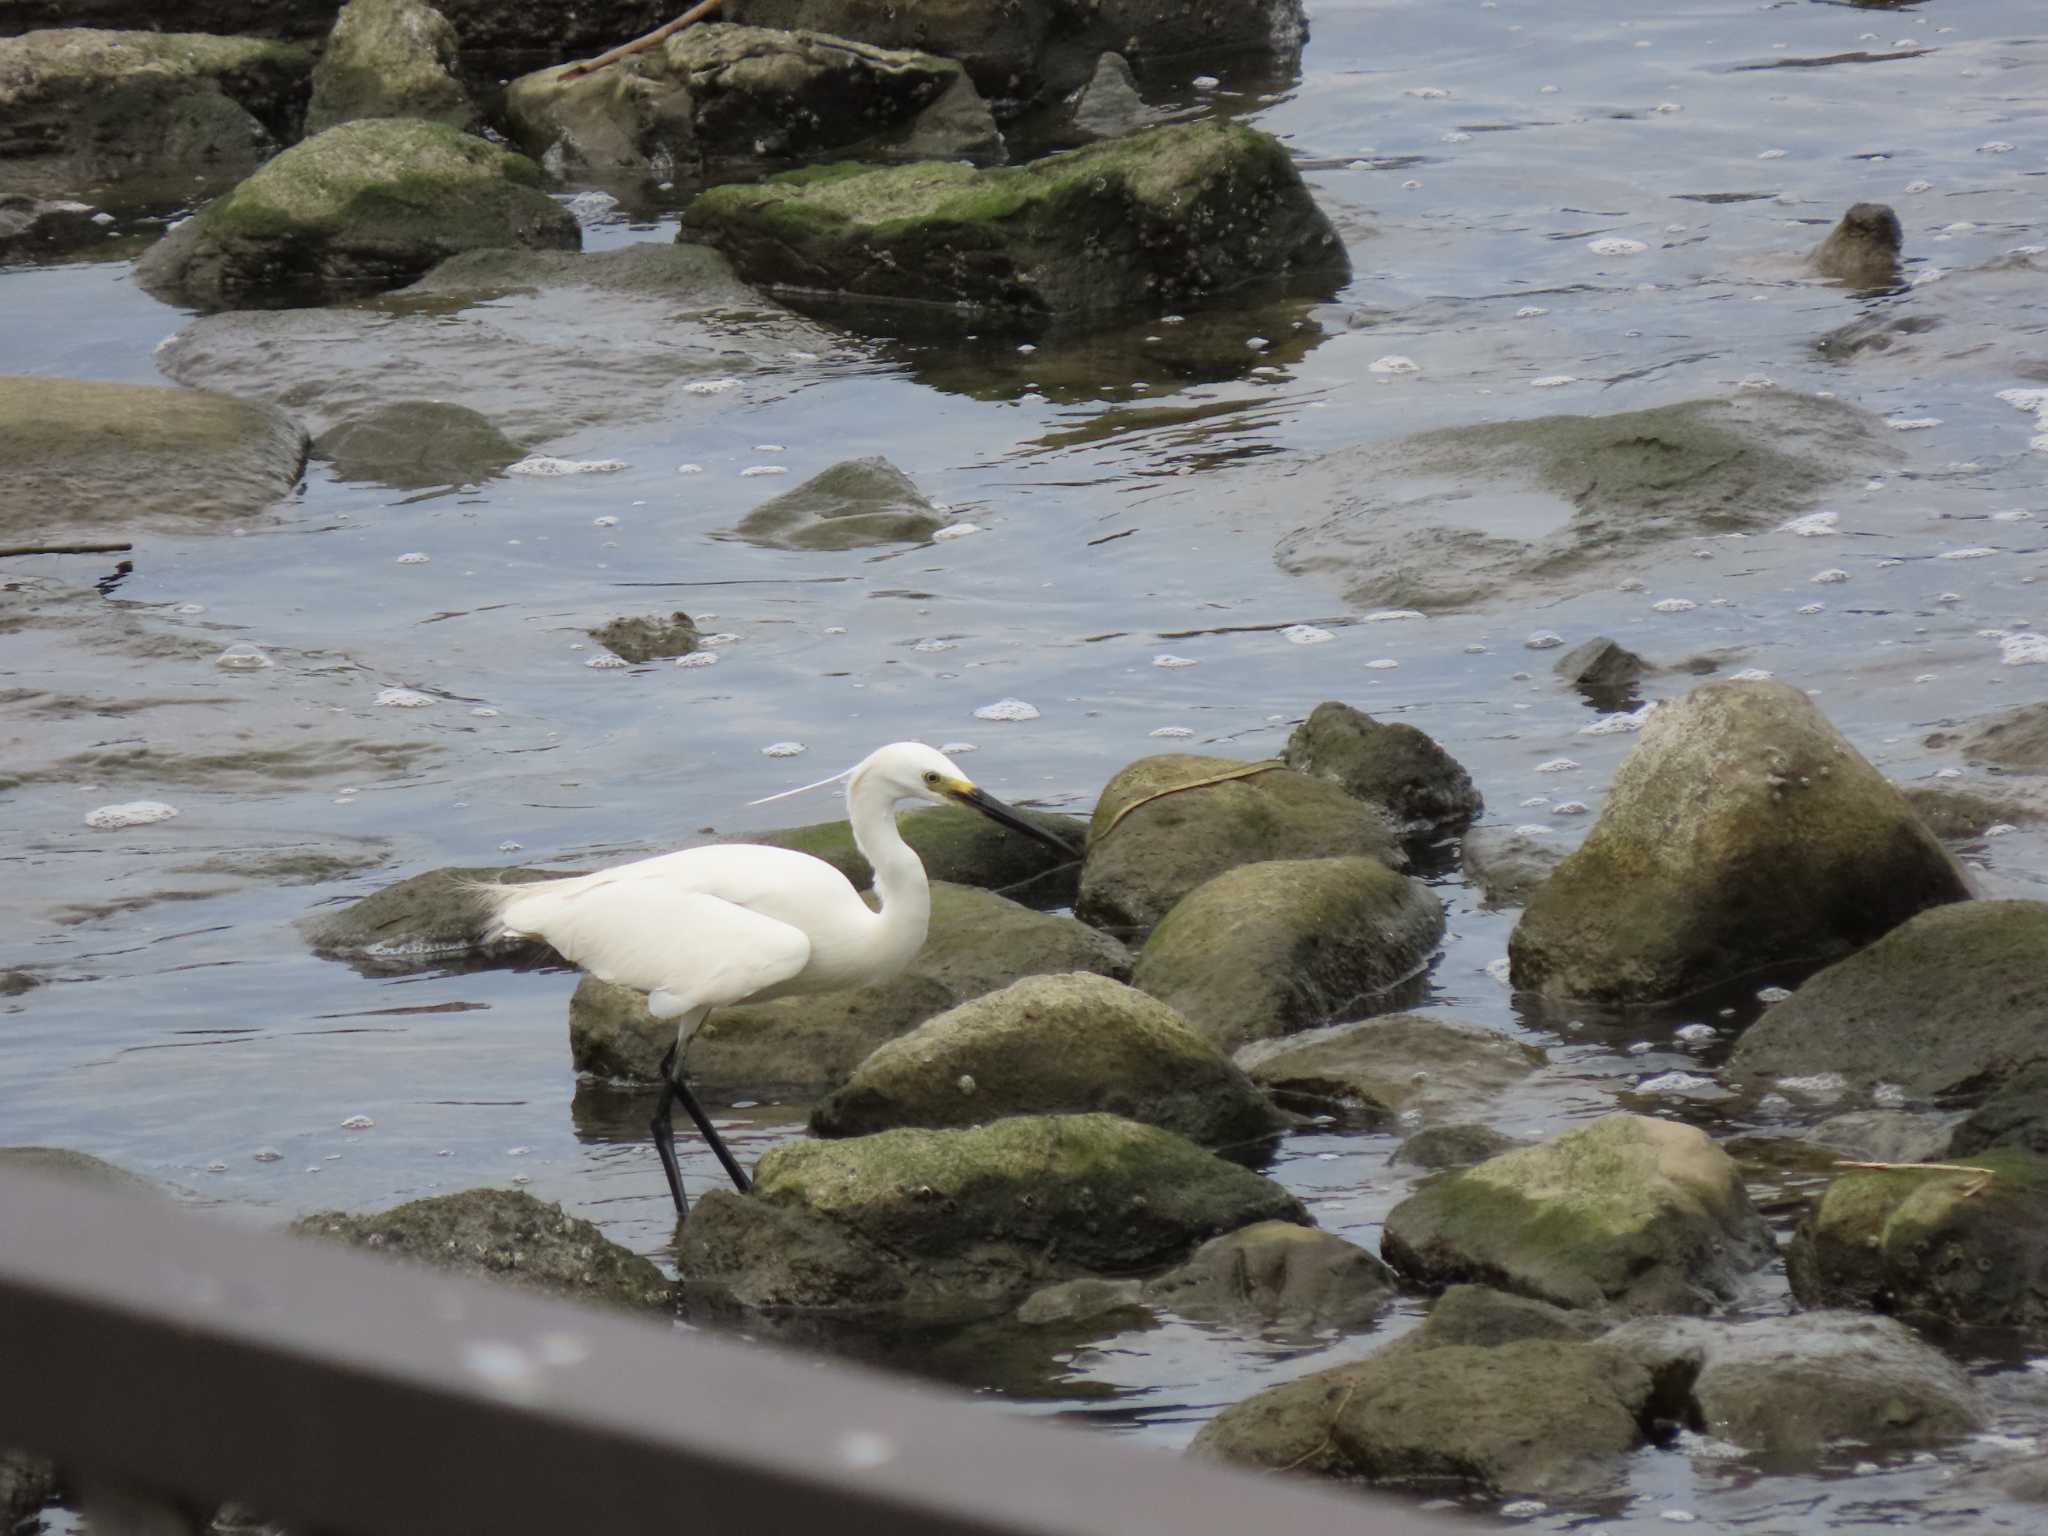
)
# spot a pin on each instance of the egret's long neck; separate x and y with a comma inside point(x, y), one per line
point(899, 874)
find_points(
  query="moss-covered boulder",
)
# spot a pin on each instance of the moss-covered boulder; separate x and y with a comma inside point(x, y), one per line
point(1862, 250)
point(808, 1045)
point(361, 208)
point(1743, 831)
point(424, 920)
point(1414, 1066)
point(1060, 1044)
point(855, 505)
point(957, 845)
point(921, 1224)
point(502, 1234)
point(1166, 824)
point(1168, 217)
point(1424, 790)
point(1947, 1005)
point(389, 58)
point(1280, 1277)
point(85, 458)
point(1267, 949)
point(414, 444)
point(1507, 864)
point(1626, 1214)
point(715, 98)
point(638, 639)
point(1959, 1248)
point(87, 109)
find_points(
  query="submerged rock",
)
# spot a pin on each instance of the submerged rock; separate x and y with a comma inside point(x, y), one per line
point(424, 920)
point(1455, 1146)
point(502, 1234)
point(1964, 815)
point(2015, 738)
point(1480, 1315)
point(1945, 1006)
point(1742, 831)
point(1626, 1214)
point(414, 444)
point(854, 505)
point(1421, 1065)
point(1169, 217)
point(1885, 1135)
point(389, 58)
point(1281, 1276)
point(639, 639)
point(1507, 864)
point(32, 228)
point(87, 109)
point(361, 208)
point(1060, 1044)
point(808, 1045)
point(1267, 949)
point(1425, 791)
point(1862, 250)
point(1604, 670)
point(83, 458)
point(922, 1224)
point(716, 96)
point(1166, 824)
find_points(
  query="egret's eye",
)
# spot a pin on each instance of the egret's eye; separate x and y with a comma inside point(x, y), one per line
point(932, 779)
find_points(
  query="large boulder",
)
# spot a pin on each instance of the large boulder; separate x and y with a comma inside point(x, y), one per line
point(1945, 1006)
point(1168, 217)
point(424, 920)
point(1626, 1214)
point(1061, 1044)
point(809, 1045)
point(719, 98)
point(363, 207)
point(414, 444)
point(953, 1223)
point(88, 458)
point(1742, 831)
point(1166, 824)
point(389, 58)
point(503, 1234)
point(854, 505)
point(93, 110)
point(1411, 1065)
point(1267, 949)
point(1425, 791)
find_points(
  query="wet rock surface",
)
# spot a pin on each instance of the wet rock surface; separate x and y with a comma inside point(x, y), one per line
point(425, 920)
point(1626, 1214)
point(1604, 670)
point(1109, 106)
point(1424, 790)
point(1278, 1276)
point(414, 444)
point(639, 640)
point(1061, 1044)
point(1508, 864)
point(364, 207)
point(1886, 1135)
point(1421, 1065)
point(38, 227)
point(855, 505)
point(2015, 738)
point(1455, 1146)
point(1270, 948)
point(389, 58)
point(1743, 831)
point(501, 1234)
point(2016, 1115)
point(1862, 251)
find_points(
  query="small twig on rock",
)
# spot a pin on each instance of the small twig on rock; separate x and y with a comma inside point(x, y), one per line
point(640, 44)
point(10, 550)
point(1329, 1440)
point(1976, 1186)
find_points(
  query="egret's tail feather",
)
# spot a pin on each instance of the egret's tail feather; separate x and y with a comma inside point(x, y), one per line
point(497, 900)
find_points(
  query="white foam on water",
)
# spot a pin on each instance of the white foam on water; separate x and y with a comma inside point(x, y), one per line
point(2023, 650)
point(1772, 154)
point(1817, 1085)
point(1382, 664)
point(608, 662)
point(1174, 661)
point(720, 639)
point(413, 557)
point(955, 748)
point(1626, 723)
point(403, 698)
point(1679, 1082)
point(1007, 709)
point(133, 813)
point(1750, 675)
point(755, 471)
point(1912, 423)
point(242, 658)
point(358, 1123)
point(1674, 605)
point(1557, 765)
point(1697, 1034)
point(1530, 312)
point(606, 521)
point(1426, 92)
point(546, 467)
point(784, 749)
point(1810, 608)
point(1305, 634)
point(1393, 362)
point(1814, 525)
point(933, 646)
point(689, 469)
point(698, 659)
point(1615, 245)
point(1544, 640)
point(1828, 578)
point(710, 386)
point(1996, 147)
point(1173, 732)
point(1974, 552)
point(1554, 381)
point(1393, 615)
point(956, 531)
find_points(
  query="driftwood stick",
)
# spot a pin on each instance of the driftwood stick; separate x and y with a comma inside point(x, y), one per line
point(640, 44)
point(9, 550)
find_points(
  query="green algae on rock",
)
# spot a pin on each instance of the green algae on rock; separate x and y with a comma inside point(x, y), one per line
point(414, 444)
point(857, 504)
point(366, 206)
point(389, 58)
point(641, 639)
point(1166, 218)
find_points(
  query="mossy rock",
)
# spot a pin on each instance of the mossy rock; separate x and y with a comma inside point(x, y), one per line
point(414, 444)
point(1947, 1006)
point(1059, 1044)
point(1423, 789)
point(1862, 250)
point(639, 639)
point(1167, 217)
point(1419, 1065)
point(366, 206)
point(1455, 1146)
point(1166, 824)
point(424, 920)
point(859, 504)
point(956, 845)
point(389, 58)
point(63, 1163)
point(1272, 948)
point(503, 1234)
point(1604, 670)
point(1743, 831)
point(1626, 1214)
point(1280, 1277)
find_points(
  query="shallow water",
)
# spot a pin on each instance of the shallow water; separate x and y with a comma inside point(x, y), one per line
point(183, 1023)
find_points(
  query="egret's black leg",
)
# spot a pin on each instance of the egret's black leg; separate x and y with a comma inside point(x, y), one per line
point(732, 1164)
point(665, 1134)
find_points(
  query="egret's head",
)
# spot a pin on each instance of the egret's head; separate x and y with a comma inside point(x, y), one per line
point(913, 771)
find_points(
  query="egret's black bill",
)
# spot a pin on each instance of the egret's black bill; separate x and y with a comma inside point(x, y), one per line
point(1008, 816)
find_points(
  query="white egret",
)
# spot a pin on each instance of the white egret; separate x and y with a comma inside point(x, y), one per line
point(739, 922)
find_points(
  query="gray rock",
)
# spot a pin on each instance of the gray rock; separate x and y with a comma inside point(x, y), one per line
point(2014, 738)
point(1109, 106)
point(1945, 1006)
point(1886, 1135)
point(502, 1234)
point(2015, 1116)
point(1424, 790)
point(1862, 250)
point(1059, 1044)
point(1794, 1387)
point(1266, 949)
point(1481, 1316)
point(32, 228)
point(1455, 1146)
point(14, 983)
point(924, 1224)
point(1173, 216)
point(361, 208)
point(1426, 1065)
point(414, 444)
point(83, 458)
point(978, 943)
point(62, 1163)
point(1087, 1300)
point(639, 639)
point(854, 505)
point(424, 920)
point(1743, 831)
point(1166, 824)
point(389, 58)
point(1626, 1214)
point(716, 98)
point(1507, 864)
point(1280, 1276)
point(1604, 670)
point(1958, 815)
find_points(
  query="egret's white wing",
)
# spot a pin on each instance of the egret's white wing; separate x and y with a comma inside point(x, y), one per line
point(780, 882)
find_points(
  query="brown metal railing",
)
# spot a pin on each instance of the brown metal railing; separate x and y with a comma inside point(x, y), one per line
point(152, 1352)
